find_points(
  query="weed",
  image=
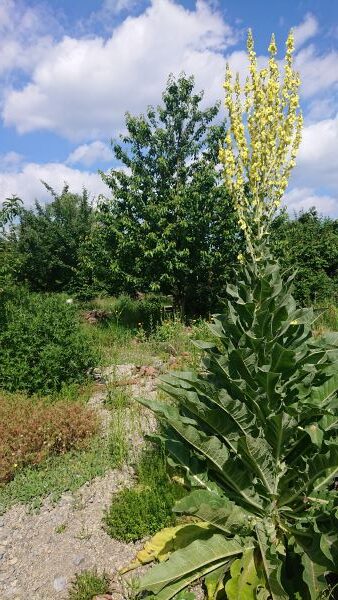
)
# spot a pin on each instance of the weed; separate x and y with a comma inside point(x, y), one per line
point(61, 528)
point(88, 584)
point(30, 431)
point(84, 534)
point(146, 508)
point(117, 398)
point(118, 443)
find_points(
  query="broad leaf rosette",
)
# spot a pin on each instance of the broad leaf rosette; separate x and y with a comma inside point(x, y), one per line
point(254, 436)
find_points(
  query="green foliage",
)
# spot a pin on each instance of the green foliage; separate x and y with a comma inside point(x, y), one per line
point(88, 584)
point(48, 240)
point(255, 437)
point(142, 510)
point(170, 226)
point(42, 345)
point(309, 243)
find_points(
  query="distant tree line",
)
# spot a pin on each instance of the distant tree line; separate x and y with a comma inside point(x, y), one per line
point(169, 225)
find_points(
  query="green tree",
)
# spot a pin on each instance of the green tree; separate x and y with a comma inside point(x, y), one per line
point(170, 224)
point(309, 244)
point(49, 239)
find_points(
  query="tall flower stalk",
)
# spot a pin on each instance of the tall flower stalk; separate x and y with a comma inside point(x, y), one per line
point(262, 140)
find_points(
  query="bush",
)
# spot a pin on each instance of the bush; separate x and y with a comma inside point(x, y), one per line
point(42, 345)
point(89, 584)
point(145, 509)
point(31, 431)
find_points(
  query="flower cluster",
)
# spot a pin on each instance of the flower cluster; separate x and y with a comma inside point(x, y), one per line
point(263, 137)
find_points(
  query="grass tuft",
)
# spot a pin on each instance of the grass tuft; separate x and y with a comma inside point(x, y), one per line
point(88, 584)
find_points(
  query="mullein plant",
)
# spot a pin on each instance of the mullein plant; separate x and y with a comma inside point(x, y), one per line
point(253, 435)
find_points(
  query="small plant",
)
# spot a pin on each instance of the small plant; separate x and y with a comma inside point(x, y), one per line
point(118, 441)
point(61, 528)
point(88, 584)
point(117, 398)
point(142, 510)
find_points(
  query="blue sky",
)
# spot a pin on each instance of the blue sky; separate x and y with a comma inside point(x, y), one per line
point(69, 70)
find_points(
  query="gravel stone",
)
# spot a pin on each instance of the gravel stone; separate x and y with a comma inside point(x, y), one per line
point(60, 584)
point(78, 560)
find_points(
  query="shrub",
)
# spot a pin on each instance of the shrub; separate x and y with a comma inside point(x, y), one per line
point(42, 345)
point(142, 510)
point(31, 431)
point(88, 584)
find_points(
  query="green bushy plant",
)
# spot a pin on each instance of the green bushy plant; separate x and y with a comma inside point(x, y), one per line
point(142, 510)
point(42, 345)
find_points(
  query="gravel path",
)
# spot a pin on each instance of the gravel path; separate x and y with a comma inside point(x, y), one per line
point(40, 553)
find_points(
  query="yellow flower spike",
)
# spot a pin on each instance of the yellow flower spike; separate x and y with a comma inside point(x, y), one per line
point(264, 134)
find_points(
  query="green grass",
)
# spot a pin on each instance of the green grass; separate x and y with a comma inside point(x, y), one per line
point(57, 475)
point(88, 584)
point(146, 508)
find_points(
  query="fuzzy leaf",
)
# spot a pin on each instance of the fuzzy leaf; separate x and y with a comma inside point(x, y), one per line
point(244, 578)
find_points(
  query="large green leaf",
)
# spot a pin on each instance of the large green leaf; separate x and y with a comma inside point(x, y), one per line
point(257, 453)
point(244, 578)
point(199, 555)
point(214, 582)
point(272, 558)
point(313, 576)
point(217, 510)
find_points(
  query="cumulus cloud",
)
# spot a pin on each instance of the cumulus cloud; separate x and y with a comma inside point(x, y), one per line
point(90, 154)
point(318, 71)
point(82, 87)
point(303, 198)
point(317, 162)
point(10, 160)
point(24, 35)
point(26, 181)
point(306, 30)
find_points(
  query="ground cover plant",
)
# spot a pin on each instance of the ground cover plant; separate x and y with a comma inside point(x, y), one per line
point(88, 584)
point(142, 510)
point(254, 435)
point(42, 344)
point(32, 431)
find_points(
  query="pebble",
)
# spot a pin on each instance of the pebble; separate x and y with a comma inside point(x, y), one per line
point(78, 559)
point(60, 584)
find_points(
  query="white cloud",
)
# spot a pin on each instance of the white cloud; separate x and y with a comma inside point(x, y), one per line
point(89, 154)
point(306, 30)
point(10, 160)
point(303, 198)
point(26, 182)
point(317, 162)
point(82, 87)
point(114, 7)
point(24, 35)
point(318, 72)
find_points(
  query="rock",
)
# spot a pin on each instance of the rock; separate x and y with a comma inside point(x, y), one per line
point(60, 584)
point(104, 597)
point(78, 559)
point(2, 522)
